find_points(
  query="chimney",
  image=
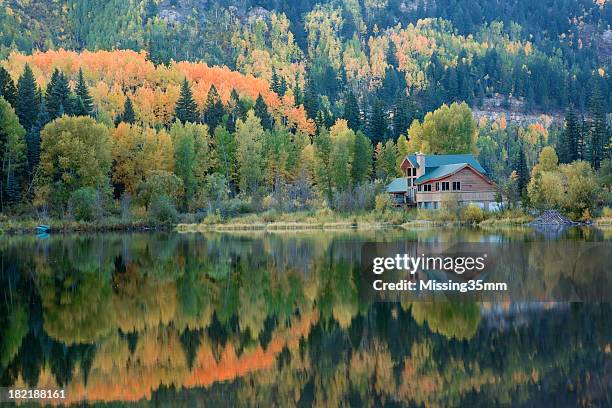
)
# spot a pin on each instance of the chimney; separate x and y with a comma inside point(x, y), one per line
point(420, 159)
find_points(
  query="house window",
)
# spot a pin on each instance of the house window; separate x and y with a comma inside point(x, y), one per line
point(445, 186)
point(414, 171)
point(456, 186)
point(427, 187)
point(437, 186)
point(419, 188)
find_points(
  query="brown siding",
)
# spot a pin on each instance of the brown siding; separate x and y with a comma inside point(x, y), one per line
point(473, 188)
point(470, 181)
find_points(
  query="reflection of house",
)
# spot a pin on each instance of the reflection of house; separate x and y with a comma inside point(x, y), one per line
point(430, 180)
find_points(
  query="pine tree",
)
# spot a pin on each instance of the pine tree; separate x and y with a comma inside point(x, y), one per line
point(275, 82)
point(599, 136)
point(213, 109)
point(351, 111)
point(33, 138)
point(522, 170)
point(403, 114)
point(84, 101)
point(311, 100)
point(128, 115)
point(298, 98)
point(58, 95)
point(282, 88)
point(27, 105)
point(261, 111)
point(186, 109)
point(568, 146)
point(7, 87)
point(377, 123)
point(236, 110)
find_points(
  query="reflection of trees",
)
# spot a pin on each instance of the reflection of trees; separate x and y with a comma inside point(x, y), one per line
point(268, 331)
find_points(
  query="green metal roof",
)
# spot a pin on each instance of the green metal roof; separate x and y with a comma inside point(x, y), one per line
point(399, 185)
point(438, 160)
point(439, 172)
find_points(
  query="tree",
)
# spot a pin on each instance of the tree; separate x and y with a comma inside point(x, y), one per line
point(7, 87)
point(186, 109)
point(33, 138)
point(27, 105)
point(323, 165)
point(249, 154)
point(351, 111)
point(522, 171)
point(341, 155)
point(213, 109)
point(58, 95)
point(362, 159)
point(236, 110)
point(12, 146)
point(192, 160)
point(75, 153)
point(447, 130)
point(128, 115)
point(85, 105)
point(570, 138)
point(261, 111)
point(377, 123)
point(386, 167)
point(599, 135)
point(160, 185)
point(403, 114)
point(225, 153)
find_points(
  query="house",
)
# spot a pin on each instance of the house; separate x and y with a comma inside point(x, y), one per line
point(430, 181)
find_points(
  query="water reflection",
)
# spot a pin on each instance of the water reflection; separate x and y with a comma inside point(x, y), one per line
point(276, 319)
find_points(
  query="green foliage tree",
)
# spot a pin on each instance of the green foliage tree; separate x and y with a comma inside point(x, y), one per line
point(323, 165)
point(75, 153)
point(447, 130)
point(27, 105)
point(377, 123)
point(7, 87)
point(160, 184)
point(386, 161)
point(249, 153)
point(213, 109)
point(84, 105)
point(362, 159)
point(599, 134)
point(225, 153)
point(568, 146)
point(186, 109)
point(58, 95)
point(128, 115)
point(261, 111)
point(351, 111)
point(13, 148)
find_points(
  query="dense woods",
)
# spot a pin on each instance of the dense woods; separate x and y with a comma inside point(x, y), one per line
point(228, 106)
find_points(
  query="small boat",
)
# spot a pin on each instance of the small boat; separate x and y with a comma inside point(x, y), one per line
point(43, 228)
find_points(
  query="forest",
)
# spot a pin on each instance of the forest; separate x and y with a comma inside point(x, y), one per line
point(156, 108)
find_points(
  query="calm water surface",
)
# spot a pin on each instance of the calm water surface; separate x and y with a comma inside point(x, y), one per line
point(261, 319)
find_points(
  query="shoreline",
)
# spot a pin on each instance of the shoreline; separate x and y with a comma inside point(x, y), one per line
point(237, 224)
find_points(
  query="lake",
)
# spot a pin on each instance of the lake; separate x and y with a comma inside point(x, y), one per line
point(276, 319)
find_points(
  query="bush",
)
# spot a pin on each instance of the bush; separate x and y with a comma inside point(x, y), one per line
point(472, 214)
point(383, 202)
point(84, 204)
point(162, 209)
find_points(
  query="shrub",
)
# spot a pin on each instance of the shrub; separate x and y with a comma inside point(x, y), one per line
point(162, 209)
point(472, 214)
point(383, 202)
point(84, 204)
point(606, 212)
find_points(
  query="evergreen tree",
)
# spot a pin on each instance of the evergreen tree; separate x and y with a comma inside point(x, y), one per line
point(27, 105)
point(282, 88)
point(261, 111)
point(12, 154)
point(84, 105)
point(128, 115)
point(298, 98)
point(275, 82)
point(236, 110)
point(568, 143)
point(362, 159)
point(186, 109)
point(599, 137)
point(7, 87)
point(33, 138)
point(311, 100)
point(351, 111)
point(213, 109)
point(521, 170)
point(377, 123)
point(403, 114)
point(58, 95)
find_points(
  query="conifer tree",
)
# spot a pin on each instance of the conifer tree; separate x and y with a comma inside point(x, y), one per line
point(213, 109)
point(33, 138)
point(261, 111)
point(403, 114)
point(27, 105)
point(298, 98)
point(351, 111)
point(58, 95)
point(84, 101)
point(186, 108)
point(311, 100)
point(377, 123)
point(275, 81)
point(12, 154)
point(568, 145)
point(7, 87)
point(236, 110)
point(282, 88)
point(522, 170)
point(599, 136)
point(362, 159)
point(128, 115)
